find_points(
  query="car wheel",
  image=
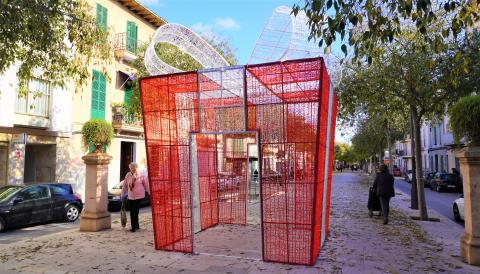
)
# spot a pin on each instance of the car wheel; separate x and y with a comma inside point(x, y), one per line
point(72, 213)
point(456, 213)
point(2, 224)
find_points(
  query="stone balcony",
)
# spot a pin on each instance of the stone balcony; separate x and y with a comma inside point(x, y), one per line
point(125, 124)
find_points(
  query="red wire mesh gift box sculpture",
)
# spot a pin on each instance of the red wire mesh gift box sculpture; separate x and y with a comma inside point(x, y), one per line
point(193, 119)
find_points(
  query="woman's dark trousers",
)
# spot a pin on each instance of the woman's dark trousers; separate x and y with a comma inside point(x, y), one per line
point(134, 207)
point(385, 204)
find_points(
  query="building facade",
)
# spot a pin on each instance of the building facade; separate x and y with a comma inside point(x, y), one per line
point(441, 154)
point(52, 149)
point(438, 148)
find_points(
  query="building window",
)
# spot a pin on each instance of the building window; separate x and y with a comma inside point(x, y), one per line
point(102, 14)
point(446, 163)
point(131, 43)
point(435, 135)
point(442, 169)
point(99, 91)
point(36, 101)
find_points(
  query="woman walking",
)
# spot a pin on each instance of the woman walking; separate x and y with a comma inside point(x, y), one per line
point(384, 190)
point(135, 184)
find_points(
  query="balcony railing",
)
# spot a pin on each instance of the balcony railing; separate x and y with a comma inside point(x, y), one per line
point(123, 122)
point(125, 47)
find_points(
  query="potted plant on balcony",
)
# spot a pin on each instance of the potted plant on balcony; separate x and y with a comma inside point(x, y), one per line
point(465, 121)
point(97, 133)
point(118, 107)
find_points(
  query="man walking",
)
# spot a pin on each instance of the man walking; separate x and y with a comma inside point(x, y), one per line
point(384, 189)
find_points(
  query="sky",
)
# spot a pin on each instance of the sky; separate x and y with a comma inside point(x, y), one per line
point(240, 22)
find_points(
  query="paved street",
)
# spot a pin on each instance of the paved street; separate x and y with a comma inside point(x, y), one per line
point(31, 232)
point(356, 244)
point(440, 202)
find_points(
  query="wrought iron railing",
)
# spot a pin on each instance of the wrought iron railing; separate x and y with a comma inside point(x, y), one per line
point(121, 41)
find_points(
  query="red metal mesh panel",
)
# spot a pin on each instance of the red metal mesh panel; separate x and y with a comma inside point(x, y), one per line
point(287, 103)
point(207, 179)
point(169, 115)
point(283, 101)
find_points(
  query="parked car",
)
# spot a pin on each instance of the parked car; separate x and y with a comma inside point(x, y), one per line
point(22, 205)
point(397, 172)
point(458, 209)
point(445, 181)
point(408, 177)
point(427, 178)
point(114, 201)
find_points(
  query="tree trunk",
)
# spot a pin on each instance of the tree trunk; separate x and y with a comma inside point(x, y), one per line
point(413, 189)
point(389, 144)
point(418, 166)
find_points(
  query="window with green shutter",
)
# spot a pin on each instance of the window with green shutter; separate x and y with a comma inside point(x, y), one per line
point(99, 91)
point(102, 13)
point(131, 43)
point(128, 95)
point(127, 99)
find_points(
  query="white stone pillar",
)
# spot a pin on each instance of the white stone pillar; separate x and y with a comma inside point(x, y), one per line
point(470, 166)
point(95, 215)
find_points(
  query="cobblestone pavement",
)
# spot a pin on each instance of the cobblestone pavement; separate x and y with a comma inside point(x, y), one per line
point(357, 244)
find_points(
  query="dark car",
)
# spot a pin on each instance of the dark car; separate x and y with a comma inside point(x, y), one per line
point(427, 178)
point(445, 181)
point(22, 205)
point(114, 201)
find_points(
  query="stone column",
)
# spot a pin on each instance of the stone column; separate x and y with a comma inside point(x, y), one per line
point(95, 215)
point(470, 166)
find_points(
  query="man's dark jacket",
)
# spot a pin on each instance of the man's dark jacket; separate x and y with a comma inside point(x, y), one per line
point(384, 185)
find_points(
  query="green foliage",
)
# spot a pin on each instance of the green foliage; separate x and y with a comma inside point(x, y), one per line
point(366, 25)
point(174, 57)
point(343, 152)
point(465, 119)
point(97, 132)
point(60, 38)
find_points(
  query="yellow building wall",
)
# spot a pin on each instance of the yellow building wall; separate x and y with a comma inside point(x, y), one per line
point(117, 18)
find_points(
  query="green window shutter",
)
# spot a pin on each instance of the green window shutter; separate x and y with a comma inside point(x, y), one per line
point(131, 39)
point(128, 95)
point(102, 14)
point(99, 87)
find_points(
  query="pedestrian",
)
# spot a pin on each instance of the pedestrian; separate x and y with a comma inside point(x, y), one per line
point(135, 184)
point(383, 185)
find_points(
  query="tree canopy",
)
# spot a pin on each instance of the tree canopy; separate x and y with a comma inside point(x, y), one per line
point(367, 24)
point(58, 38)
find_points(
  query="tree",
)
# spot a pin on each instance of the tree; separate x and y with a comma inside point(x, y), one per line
point(343, 152)
point(368, 24)
point(59, 38)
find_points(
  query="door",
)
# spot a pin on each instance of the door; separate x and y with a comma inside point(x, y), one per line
point(126, 157)
point(3, 163)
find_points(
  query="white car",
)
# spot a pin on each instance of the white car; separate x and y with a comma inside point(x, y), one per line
point(458, 210)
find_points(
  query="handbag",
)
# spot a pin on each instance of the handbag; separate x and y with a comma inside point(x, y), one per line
point(123, 214)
